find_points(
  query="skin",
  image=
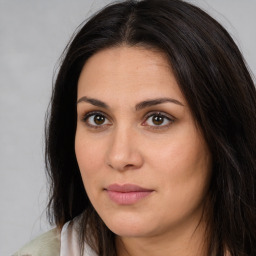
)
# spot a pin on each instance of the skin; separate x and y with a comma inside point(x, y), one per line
point(169, 157)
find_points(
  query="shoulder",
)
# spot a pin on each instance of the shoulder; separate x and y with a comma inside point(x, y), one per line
point(48, 244)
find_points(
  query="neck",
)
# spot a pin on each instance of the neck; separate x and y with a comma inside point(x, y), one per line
point(186, 242)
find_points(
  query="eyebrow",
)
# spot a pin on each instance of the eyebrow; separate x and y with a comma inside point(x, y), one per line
point(94, 102)
point(139, 106)
point(153, 102)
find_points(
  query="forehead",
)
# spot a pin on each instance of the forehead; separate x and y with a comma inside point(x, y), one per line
point(128, 71)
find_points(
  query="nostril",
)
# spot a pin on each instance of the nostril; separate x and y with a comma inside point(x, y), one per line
point(122, 168)
point(129, 166)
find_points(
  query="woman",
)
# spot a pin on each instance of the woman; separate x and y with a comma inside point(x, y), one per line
point(150, 143)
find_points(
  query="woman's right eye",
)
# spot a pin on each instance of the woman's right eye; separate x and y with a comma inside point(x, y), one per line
point(96, 120)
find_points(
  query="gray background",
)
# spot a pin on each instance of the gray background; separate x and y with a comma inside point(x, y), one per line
point(32, 37)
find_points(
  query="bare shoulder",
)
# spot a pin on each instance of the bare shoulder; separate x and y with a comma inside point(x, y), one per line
point(48, 244)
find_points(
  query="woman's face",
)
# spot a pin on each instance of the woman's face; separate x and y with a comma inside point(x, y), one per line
point(144, 163)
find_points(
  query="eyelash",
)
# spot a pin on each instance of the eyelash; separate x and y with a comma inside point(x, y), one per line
point(91, 114)
point(165, 116)
point(170, 119)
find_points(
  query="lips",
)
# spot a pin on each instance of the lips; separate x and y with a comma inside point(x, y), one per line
point(127, 194)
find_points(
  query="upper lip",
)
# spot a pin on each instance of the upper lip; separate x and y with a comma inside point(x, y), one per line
point(127, 188)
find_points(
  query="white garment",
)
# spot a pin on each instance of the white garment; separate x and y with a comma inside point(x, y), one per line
point(56, 243)
point(70, 241)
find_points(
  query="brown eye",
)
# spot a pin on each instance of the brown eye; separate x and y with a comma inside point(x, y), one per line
point(96, 120)
point(158, 120)
point(99, 119)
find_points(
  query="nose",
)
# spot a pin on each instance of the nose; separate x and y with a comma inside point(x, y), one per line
point(124, 152)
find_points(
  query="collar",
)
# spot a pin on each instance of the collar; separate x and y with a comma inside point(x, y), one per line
point(70, 241)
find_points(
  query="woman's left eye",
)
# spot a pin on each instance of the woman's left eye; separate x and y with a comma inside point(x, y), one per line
point(158, 120)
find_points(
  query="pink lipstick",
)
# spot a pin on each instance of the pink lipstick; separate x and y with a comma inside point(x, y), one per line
point(127, 194)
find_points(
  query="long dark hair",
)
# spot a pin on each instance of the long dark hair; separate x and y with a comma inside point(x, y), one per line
point(215, 81)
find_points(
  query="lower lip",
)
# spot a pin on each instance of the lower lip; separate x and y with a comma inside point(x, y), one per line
point(126, 198)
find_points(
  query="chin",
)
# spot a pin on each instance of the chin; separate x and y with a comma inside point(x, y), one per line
point(130, 231)
point(129, 226)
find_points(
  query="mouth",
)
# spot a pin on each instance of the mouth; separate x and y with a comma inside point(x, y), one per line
point(127, 194)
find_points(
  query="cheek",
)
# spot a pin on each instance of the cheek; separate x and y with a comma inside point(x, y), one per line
point(184, 150)
point(184, 181)
point(183, 166)
point(87, 158)
point(90, 157)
